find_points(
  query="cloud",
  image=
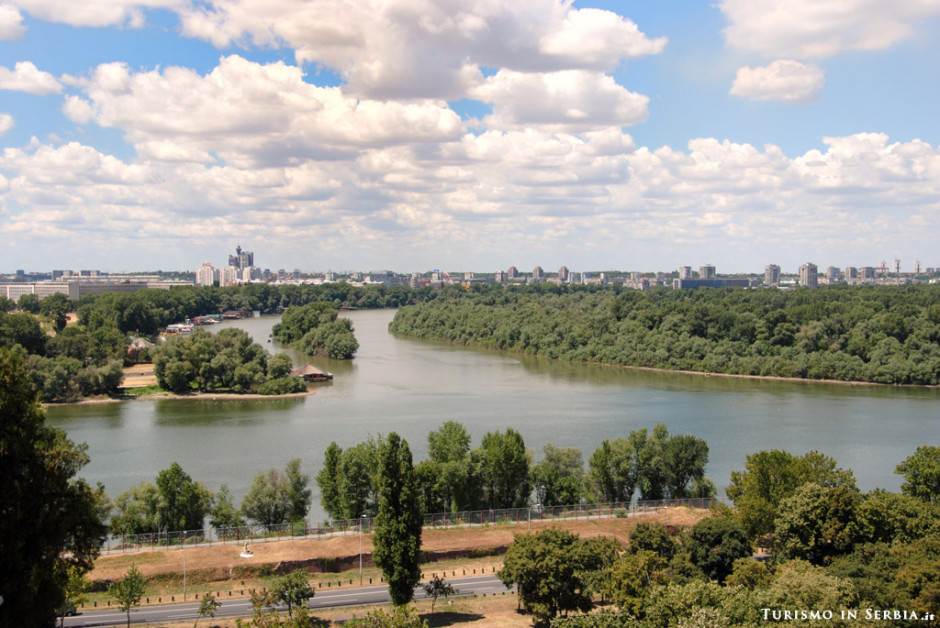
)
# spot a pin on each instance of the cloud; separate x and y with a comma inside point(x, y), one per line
point(249, 114)
point(425, 48)
point(96, 13)
point(6, 123)
point(821, 28)
point(784, 80)
point(571, 100)
point(11, 23)
point(523, 191)
point(26, 77)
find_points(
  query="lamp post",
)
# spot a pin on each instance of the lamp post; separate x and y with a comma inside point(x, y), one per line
point(539, 506)
point(362, 519)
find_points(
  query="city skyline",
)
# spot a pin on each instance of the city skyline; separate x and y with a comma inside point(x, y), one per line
point(338, 135)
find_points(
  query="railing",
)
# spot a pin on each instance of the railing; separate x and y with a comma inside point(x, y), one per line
point(302, 530)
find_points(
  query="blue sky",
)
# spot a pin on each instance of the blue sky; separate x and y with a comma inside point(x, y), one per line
point(418, 134)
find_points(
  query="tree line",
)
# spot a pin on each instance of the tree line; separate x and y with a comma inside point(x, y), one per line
point(882, 334)
point(832, 551)
point(501, 472)
point(315, 328)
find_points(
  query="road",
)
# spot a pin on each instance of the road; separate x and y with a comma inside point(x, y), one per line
point(479, 585)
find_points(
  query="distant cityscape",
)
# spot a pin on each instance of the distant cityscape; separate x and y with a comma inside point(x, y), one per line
point(241, 269)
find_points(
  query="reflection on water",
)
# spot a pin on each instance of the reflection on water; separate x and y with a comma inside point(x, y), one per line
point(412, 387)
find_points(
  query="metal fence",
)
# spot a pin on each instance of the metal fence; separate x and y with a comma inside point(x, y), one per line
point(303, 530)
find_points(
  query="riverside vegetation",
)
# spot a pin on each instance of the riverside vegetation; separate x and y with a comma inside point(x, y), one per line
point(879, 334)
point(832, 548)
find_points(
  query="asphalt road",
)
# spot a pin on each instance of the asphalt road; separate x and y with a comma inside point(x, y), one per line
point(241, 607)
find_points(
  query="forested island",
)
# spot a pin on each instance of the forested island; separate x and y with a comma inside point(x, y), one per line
point(877, 334)
point(70, 361)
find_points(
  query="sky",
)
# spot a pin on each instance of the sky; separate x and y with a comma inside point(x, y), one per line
point(420, 134)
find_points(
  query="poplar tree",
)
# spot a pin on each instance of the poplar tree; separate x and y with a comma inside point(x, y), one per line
point(397, 537)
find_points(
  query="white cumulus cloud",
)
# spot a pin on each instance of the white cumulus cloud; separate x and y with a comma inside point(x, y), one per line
point(96, 13)
point(572, 100)
point(11, 23)
point(425, 48)
point(26, 77)
point(783, 80)
point(821, 28)
point(6, 123)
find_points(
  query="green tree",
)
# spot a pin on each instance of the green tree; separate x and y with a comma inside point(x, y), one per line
point(612, 471)
point(29, 303)
point(771, 476)
point(398, 617)
point(505, 469)
point(267, 501)
point(817, 524)
point(628, 581)
point(128, 591)
point(558, 477)
point(397, 536)
point(921, 473)
point(292, 590)
point(135, 510)
point(207, 608)
point(686, 457)
point(76, 588)
point(182, 503)
point(298, 491)
point(224, 514)
point(715, 543)
point(551, 570)
point(653, 537)
point(328, 481)
point(49, 520)
point(358, 480)
point(436, 587)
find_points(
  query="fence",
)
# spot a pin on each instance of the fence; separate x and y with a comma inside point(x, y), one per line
point(301, 530)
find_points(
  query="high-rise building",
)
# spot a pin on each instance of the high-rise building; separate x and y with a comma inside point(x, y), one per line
point(563, 274)
point(499, 276)
point(917, 267)
point(205, 275)
point(685, 272)
point(851, 272)
point(897, 267)
point(512, 272)
point(772, 275)
point(241, 259)
point(706, 272)
point(808, 275)
point(833, 274)
point(537, 273)
point(229, 276)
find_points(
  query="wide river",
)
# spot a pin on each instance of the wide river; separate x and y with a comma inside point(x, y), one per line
point(412, 387)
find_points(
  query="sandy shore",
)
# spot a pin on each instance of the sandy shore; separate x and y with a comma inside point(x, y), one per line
point(206, 396)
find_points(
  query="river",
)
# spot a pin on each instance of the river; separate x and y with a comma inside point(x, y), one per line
point(412, 387)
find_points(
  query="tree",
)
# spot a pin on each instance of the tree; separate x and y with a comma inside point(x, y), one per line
point(267, 501)
point(207, 608)
point(76, 587)
point(653, 537)
point(397, 536)
point(436, 587)
point(612, 471)
point(686, 457)
point(715, 543)
point(49, 520)
point(398, 617)
point(29, 303)
point(771, 476)
point(558, 478)
point(129, 590)
point(136, 510)
point(817, 524)
point(551, 569)
point(298, 491)
point(292, 590)
point(921, 473)
point(328, 481)
point(182, 503)
point(223, 514)
point(505, 469)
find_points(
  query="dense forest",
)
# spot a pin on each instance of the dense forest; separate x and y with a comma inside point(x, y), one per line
point(882, 334)
point(315, 328)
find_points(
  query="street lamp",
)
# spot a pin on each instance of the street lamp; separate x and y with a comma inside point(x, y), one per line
point(539, 506)
point(362, 520)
